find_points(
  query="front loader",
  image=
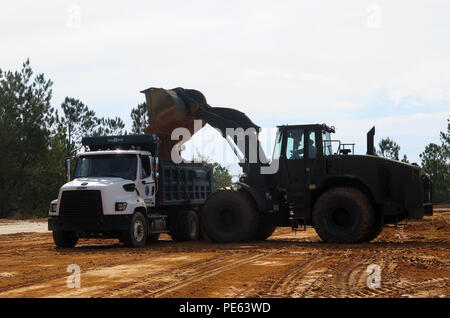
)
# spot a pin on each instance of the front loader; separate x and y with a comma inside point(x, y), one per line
point(310, 180)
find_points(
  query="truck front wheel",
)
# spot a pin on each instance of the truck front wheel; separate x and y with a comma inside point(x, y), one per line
point(342, 215)
point(136, 236)
point(65, 238)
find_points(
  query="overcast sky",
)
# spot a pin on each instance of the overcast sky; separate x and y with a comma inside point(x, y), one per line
point(350, 64)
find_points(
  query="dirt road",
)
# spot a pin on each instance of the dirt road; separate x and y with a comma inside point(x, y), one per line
point(414, 261)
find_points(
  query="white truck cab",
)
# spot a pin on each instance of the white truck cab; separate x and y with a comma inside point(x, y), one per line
point(124, 178)
point(114, 193)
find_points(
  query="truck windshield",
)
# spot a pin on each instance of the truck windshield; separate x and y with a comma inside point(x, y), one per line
point(327, 150)
point(120, 166)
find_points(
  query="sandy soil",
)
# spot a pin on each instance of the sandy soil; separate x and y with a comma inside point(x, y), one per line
point(414, 262)
point(11, 226)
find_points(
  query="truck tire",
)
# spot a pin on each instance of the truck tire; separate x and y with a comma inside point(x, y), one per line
point(228, 216)
point(136, 236)
point(265, 229)
point(65, 238)
point(342, 215)
point(187, 227)
point(375, 229)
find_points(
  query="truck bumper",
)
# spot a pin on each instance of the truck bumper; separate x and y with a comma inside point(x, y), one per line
point(90, 224)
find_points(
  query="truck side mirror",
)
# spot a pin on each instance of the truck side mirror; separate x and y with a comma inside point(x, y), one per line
point(156, 168)
point(68, 170)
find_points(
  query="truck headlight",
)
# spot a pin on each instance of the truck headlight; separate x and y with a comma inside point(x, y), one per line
point(53, 207)
point(121, 206)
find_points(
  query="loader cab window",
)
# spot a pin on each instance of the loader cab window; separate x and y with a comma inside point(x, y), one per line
point(295, 148)
point(145, 167)
point(312, 148)
point(326, 139)
point(277, 148)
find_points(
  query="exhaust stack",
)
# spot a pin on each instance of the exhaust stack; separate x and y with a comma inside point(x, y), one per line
point(370, 147)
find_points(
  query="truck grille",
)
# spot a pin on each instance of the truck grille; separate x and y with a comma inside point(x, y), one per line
point(81, 203)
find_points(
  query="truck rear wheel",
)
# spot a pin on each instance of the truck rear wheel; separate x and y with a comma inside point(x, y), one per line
point(136, 236)
point(65, 238)
point(228, 216)
point(187, 227)
point(342, 215)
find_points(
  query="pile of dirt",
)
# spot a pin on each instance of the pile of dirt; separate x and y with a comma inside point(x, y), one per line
point(437, 223)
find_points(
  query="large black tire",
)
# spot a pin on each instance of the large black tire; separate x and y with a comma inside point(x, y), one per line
point(65, 238)
point(136, 236)
point(375, 229)
point(342, 215)
point(265, 228)
point(186, 227)
point(229, 216)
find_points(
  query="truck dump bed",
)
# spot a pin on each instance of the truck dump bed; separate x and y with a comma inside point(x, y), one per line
point(184, 183)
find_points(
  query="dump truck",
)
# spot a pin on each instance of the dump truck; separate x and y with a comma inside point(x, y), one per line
point(122, 189)
point(311, 179)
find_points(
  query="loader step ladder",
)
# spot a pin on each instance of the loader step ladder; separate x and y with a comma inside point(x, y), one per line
point(297, 221)
point(297, 197)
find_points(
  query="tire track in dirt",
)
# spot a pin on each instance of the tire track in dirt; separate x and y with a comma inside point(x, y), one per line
point(147, 287)
point(402, 288)
point(297, 279)
point(166, 273)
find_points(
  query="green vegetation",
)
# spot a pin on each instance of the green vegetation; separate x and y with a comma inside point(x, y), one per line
point(222, 176)
point(436, 163)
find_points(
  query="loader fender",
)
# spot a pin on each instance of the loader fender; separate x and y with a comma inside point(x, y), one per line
point(257, 197)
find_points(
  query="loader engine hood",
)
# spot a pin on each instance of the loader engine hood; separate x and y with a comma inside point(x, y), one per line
point(390, 181)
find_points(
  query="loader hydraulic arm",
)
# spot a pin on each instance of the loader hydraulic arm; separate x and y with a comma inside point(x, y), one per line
point(179, 107)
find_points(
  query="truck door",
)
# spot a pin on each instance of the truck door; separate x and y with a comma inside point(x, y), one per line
point(146, 183)
point(314, 162)
point(294, 156)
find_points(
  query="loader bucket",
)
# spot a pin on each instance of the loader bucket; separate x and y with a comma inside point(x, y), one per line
point(179, 107)
point(167, 111)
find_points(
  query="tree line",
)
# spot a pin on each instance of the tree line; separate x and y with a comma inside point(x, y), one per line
point(36, 139)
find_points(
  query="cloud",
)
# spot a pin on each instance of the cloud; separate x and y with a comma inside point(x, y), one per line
point(279, 62)
point(428, 81)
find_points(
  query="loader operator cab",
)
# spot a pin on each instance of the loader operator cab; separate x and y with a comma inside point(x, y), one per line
point(300, 150)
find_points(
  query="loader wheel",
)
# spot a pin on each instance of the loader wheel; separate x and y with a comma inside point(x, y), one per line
point(136, 236)
point(265, 229)
point(187, 227)
point(375, 229)
point(342, 215)
point(65, 238)
point(228, 216)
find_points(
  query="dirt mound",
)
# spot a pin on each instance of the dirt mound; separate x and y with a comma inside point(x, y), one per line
point(437, 223)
